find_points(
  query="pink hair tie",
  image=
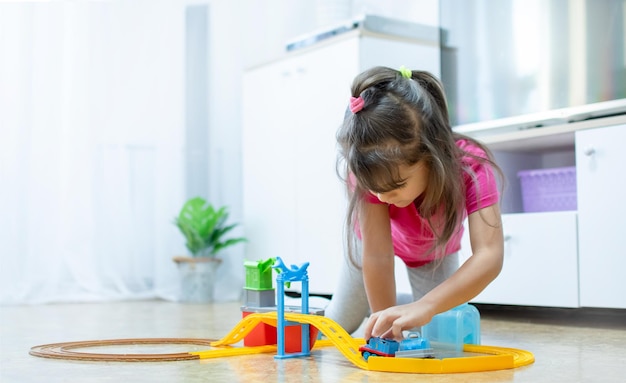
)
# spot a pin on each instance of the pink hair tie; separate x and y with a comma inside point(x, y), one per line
point(356, 104)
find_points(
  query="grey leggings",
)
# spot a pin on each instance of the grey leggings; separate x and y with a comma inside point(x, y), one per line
point(349, 305)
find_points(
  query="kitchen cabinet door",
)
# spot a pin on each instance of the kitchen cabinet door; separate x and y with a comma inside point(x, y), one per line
point(540, 261)
point(600, 160)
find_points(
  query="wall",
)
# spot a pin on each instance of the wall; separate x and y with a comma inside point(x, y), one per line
point(114, 73)
point(91, 101)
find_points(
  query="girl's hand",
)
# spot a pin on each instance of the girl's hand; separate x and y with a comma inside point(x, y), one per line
point(390, 323)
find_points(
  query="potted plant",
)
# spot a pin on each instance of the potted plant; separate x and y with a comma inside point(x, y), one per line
point(205, 228)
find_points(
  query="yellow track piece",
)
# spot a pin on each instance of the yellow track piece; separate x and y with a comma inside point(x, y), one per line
point(247, 324)
point(233, 351)
point(495, 358)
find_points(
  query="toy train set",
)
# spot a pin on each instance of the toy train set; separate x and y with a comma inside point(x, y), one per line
point(294, 334)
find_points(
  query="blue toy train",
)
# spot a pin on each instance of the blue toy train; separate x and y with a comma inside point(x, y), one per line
point(411, 347)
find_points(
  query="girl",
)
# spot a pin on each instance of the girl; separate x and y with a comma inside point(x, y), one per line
point(412, 182)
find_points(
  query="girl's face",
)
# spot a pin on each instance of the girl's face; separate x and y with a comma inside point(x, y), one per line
point(416, 177)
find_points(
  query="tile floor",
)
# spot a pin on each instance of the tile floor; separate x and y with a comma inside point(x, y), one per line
point(569, 346)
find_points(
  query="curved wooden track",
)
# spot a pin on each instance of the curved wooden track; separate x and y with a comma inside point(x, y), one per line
point(66, 350)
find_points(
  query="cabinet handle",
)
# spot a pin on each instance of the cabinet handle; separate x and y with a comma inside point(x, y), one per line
point(589, 152)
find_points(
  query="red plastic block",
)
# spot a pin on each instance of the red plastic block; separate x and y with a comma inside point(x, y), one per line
point(264, 335)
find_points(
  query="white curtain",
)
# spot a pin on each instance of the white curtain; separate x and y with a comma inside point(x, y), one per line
point(91, 150)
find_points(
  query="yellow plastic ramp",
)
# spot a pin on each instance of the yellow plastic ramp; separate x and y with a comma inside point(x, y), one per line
point(340, 338)
point(347, 345)
point(240, 331)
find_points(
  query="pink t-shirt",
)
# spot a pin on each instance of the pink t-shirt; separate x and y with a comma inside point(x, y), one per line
point(411, 234)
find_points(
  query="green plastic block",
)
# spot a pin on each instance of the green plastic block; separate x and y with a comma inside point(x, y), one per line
point(258, 276)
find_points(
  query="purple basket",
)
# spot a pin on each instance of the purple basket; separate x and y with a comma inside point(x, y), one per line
point(548, 189)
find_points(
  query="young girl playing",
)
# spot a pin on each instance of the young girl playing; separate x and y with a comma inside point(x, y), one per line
point(412, 182)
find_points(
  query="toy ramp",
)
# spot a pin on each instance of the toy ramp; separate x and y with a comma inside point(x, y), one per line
point(494, 358)
point(348, 346)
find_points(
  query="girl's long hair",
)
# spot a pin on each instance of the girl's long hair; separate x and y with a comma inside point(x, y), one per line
point(404, 121)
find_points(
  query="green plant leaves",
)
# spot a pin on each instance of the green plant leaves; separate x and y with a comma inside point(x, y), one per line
point(204, 227)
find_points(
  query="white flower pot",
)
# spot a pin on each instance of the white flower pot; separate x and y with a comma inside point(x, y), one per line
point(197, 278)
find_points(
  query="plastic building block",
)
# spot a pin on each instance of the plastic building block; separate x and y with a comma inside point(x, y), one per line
point(259, 298)
point(452, 329)
point(259, 274)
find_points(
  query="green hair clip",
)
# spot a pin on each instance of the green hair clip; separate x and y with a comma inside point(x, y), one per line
point(405, 72)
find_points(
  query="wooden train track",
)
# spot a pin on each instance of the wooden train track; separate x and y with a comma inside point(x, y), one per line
point(66, 350)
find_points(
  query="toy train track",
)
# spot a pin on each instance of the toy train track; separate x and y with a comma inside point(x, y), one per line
point(493, 358)
point(66, 350)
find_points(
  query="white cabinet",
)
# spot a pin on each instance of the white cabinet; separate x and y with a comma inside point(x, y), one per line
point(540, 261)
point(564, 259)
point(600, 161)
point(293, 201)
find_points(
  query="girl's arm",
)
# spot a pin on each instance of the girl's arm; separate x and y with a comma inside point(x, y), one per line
point(378, 257)
point(485, 230)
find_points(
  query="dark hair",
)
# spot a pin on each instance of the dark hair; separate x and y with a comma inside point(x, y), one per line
point(404, 121)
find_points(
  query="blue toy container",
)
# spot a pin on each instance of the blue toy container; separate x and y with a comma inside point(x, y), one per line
point(451, 329)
